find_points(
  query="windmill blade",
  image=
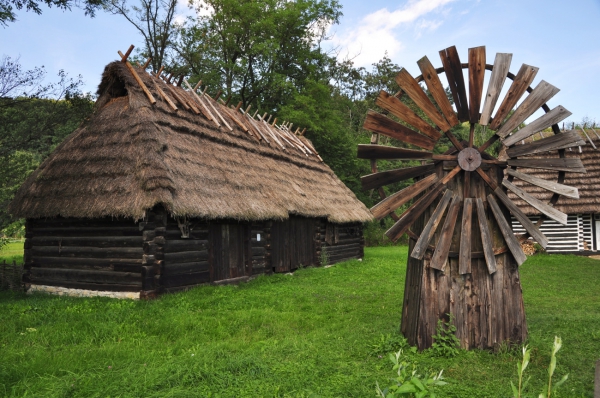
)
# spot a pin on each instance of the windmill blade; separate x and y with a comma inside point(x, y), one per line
point(404, 113)
point(464, 253)
point(486, 237)
point(538, 204)
point(538, 97)
point(573, 165)
point(440, 255)
point(509, 237)
point(413, 212)
point(454, 74)
point(476, 75)
point(379, 123)
point(560, 189)
point(393, 202)
point(368, 151)
point(416, 93)
point(429, 230)
point(559, 141)
point(522, 218)
point(518, 87)
point(499, 74)
point(556, 115)
point(376, 180)
point(432, 80)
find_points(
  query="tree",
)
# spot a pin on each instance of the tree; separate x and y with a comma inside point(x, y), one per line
point(7, 7)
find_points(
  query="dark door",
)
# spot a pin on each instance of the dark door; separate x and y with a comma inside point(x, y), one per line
point(293, 243)
point(229, 251)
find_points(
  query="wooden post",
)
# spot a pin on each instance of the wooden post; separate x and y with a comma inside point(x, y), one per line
point(136, 77)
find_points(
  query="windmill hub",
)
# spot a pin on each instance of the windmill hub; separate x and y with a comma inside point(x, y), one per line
point(469, 159)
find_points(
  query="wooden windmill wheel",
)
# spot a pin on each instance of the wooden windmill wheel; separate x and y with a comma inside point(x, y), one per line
point(464, 256)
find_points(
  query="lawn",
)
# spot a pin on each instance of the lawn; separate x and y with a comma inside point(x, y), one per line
point(317, 332)
point(12, 251)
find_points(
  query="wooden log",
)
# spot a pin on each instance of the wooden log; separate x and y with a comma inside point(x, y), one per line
point(532, 229)
point(427, 234)
point(165, 97)
point(509, 237)
point(436, 88)
point(376, 180)
point(203, 108)
point(185, 245)
point(573, 165)
point(87, 231)
point(185, 268)
point(88, 241)
point(456, 81)
point(109, 287)
point(393, 202)
point(440, 255)
point(476, 76)
point(561, 189)
point(486, 237)
point(548, 119)
point(91, 276)
point(413, 212)
point(403, 112)
point(186, 257)
point(538, 97)
point(537, 204)
point(552, 143)
point(367, 151)
point(499, 74)
point(88, 252)
point(410, 86)
point(518, 87)
point(75, 261)
point(138, 80)
point(187, 279)
point(216, 111)
point(588, 138)
point(379, 123)
point(464, 254)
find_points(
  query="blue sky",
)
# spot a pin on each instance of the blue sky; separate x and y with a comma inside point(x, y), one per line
point(561, 38)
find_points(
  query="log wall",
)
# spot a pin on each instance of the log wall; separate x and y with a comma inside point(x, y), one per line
point(260, 238)
point(340, 242)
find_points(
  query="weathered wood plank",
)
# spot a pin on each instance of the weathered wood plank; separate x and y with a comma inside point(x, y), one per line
point(184, 279)
point(563, 140)
point(429, 230)
point(183, 268)
point(81, 275)
point(413, 212)
point(368, 151)
point(88, 252)
point(393, 202)
point(518, 87)
point(186, 257)
point(573, 165)
point(499, 74)
point(486, 237)
point(548, 210)
point(432, 80)
point(464, 254)
point(533, 230)
point(416, 93)
point(99, 262)
point(376, 180)
point(403, 112)
point(440, 255)
point(89, 241)
point(185, 245)
point(561, 189)
point(476, 76)
point(548, 119)
point(454, 74)
point(379, 123)
point(109, 287)
point(538, 97)
point(509, 237)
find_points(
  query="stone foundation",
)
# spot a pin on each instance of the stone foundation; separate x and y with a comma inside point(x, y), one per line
point(63, 291)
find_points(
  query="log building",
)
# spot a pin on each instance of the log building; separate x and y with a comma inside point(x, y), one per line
point(164, 188)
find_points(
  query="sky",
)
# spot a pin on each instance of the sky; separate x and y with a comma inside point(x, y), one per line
point(560, 38)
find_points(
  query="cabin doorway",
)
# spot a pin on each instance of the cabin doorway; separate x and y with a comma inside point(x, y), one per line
point(230, 245)
point(293, 243)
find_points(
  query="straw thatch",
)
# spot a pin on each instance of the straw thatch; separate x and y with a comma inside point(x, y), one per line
point(588, 183)
point(131, 155)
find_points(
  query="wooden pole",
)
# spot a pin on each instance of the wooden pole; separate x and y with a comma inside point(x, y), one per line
point(197, 85)
point(124, 57)
point(160, 71)
point(147, 63)
point(137, 78)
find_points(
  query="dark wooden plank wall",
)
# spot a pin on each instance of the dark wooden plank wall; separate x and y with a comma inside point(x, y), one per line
point(341, 241)
point(101, 254)
point(293, 243)
point(229, 250)
point(261, 249)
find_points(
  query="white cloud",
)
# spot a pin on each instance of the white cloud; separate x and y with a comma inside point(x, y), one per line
point(376, 32)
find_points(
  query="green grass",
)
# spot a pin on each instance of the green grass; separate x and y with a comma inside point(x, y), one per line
point(310, 334)
point(13, 251)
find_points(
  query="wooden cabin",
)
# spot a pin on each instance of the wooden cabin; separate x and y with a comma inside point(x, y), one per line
point(581, 234)
point(164, 188)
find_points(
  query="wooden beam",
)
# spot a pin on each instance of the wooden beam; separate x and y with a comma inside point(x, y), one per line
point(573, 165)
point(442, 249)
point(546, 209)
point(509, 237)
point(454, 74)
point(476, 76)
point(165, 97)
point(127, 53)
point(393, 202)
point(147, 63)
point(137, 79)
point(560, 141)
point(376, 180)
point(560, 189)
point(486, 237)
point(427, 234)
point(404, 113)
point(432, 80)
point(499, 74)
point(367, 151)
point(518, 87)
point(379, 123)
point(464, 254)
point(548, 119)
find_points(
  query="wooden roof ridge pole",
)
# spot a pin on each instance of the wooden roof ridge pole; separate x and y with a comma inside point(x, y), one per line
point(240, 124)
point(254, 123)
point(282, 135)
point(287, 137)
point(205, 111)
point(165, 97)
point(271, 133)
point(160, 70)
point(145, 66)
point(136, 77)
point(189, 101)
point(274, 122)
point(587, 136)
point(178, 98)
point(250, 128)
point(297, 142)
point(218, 113)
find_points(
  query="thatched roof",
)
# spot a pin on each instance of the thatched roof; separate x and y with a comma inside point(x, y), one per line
point(131, 155)
point(588, 183)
